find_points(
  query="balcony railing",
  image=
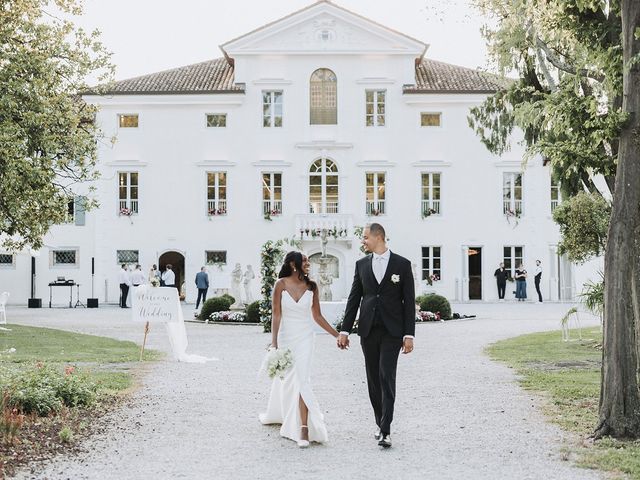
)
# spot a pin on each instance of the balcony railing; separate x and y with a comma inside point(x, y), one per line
point(512, 208)
point(554, 204)
point(270, 208)
point(128, 205)
point(216, 207)
point(376, 208)
point(430, 207)
point(310, 226)
point(330, 208)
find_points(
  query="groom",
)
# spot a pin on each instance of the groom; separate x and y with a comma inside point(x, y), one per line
point(383, 289)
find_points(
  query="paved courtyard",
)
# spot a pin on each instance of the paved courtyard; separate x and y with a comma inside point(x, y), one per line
point(458, 415)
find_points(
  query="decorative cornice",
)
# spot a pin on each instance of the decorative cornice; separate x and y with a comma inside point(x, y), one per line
point(431, 164)
point(324, 145)
point(271, 163)
point(376, 163)
point(216, 163)
point(375, 81)
point(127, 163)
point(272, 81)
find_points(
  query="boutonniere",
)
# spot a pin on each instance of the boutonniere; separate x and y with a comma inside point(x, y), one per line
point(395, 278)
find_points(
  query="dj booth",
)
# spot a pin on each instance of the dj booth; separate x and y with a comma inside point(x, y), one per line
point(62, 282)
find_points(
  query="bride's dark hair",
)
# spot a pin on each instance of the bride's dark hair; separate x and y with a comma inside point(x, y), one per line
point(286, 270)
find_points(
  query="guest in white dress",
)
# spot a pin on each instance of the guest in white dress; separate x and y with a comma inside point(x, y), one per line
point(295, 308)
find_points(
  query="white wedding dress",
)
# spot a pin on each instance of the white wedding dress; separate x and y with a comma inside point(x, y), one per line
point(297, 334)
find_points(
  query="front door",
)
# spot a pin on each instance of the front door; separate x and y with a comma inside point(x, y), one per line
point(176, 260)
point(475, 273)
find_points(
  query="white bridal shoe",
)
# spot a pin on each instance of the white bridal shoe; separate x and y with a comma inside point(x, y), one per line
point(304, 443)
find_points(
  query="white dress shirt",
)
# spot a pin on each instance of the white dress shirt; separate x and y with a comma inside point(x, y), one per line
point(379, 264)
point(123, 277)
point(137, 277)
point(538, 270)
point(169, 278)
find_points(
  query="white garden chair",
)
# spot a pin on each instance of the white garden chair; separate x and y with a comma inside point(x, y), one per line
point(4, 298)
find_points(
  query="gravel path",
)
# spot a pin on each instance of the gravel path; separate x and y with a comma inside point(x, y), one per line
point(458, 415)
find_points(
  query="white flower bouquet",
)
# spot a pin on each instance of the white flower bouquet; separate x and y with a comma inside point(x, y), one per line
point(277, 362)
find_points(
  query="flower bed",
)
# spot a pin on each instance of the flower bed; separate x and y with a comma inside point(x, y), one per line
point(227, 317)
point(428, 317)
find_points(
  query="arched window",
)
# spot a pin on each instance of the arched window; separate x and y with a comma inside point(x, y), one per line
point(323, 97)
point(323, 186)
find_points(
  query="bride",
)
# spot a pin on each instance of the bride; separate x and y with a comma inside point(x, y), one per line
point(295, 307)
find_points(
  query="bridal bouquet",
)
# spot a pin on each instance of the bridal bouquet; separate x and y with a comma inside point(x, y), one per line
point(277, 362)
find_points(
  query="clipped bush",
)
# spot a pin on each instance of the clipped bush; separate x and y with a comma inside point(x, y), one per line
point(230, 298)
point(253, 312)
point(215, 304)
point(435, 303)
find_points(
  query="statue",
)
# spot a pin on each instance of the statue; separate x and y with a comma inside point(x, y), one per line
point(236, 280)
point(248, 277)
point(323, 242)
point(325, 279)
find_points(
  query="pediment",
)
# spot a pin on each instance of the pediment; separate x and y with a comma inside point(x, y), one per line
point(324, 28)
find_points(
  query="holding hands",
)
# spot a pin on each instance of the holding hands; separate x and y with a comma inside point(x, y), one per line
point(343, 341)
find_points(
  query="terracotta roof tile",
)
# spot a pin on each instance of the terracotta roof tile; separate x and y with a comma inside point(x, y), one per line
point(216, 76)
point(433, 76)
point(212, 76)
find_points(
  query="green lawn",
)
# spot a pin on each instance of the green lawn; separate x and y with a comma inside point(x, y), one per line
point(567, 375)
point(49, 345)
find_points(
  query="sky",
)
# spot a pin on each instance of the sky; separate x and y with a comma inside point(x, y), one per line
point(148, 36)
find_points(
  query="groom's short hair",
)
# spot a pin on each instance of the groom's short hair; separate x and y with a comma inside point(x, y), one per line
point(377, 230)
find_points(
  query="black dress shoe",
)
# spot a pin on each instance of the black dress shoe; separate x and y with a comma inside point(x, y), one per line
point(385, 441)
point(378, 434)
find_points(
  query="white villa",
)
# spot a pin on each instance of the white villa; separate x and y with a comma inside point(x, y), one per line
point(322, 119)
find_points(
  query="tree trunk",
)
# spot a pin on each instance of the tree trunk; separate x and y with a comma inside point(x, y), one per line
point(619, 395)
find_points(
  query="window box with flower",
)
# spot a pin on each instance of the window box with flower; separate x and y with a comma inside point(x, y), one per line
point(217, 212)
point(268, 215)
point(427, 212)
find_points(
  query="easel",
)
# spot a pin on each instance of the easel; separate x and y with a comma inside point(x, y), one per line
point(144, 341)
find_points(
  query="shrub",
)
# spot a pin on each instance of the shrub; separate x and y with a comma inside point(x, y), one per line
point(215, 304)
point(253, 312)
point(435, 303)
point(230, 298)
point(44, 390)
point(66, 435)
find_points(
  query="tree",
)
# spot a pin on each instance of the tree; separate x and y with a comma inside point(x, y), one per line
point(577, 101)
point(583, 220)
point(47, 133)
point(619, 395)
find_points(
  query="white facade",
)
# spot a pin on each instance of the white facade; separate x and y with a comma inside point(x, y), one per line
point(172, 150)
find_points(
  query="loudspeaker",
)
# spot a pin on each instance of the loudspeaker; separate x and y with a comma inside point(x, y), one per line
point(92, 303)
point(35, 303)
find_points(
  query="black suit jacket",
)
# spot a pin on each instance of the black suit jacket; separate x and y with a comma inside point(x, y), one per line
point(393, 302)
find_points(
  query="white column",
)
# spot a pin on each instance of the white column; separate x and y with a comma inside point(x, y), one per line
point(552, 268)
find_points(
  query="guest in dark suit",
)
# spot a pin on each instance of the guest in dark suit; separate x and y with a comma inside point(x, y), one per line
point(383, 290)
point(501, 275)
point(202, 283)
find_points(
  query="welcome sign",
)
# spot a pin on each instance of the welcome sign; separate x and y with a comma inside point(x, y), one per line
point(155, 304)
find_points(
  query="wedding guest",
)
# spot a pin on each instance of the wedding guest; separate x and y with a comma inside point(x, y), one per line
point(501, 275)
point(521, 283)
point(124, 281)
point(137, 277)
point(537, 278)
point(168, 276)
point(202, 283)
point(154, 273)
